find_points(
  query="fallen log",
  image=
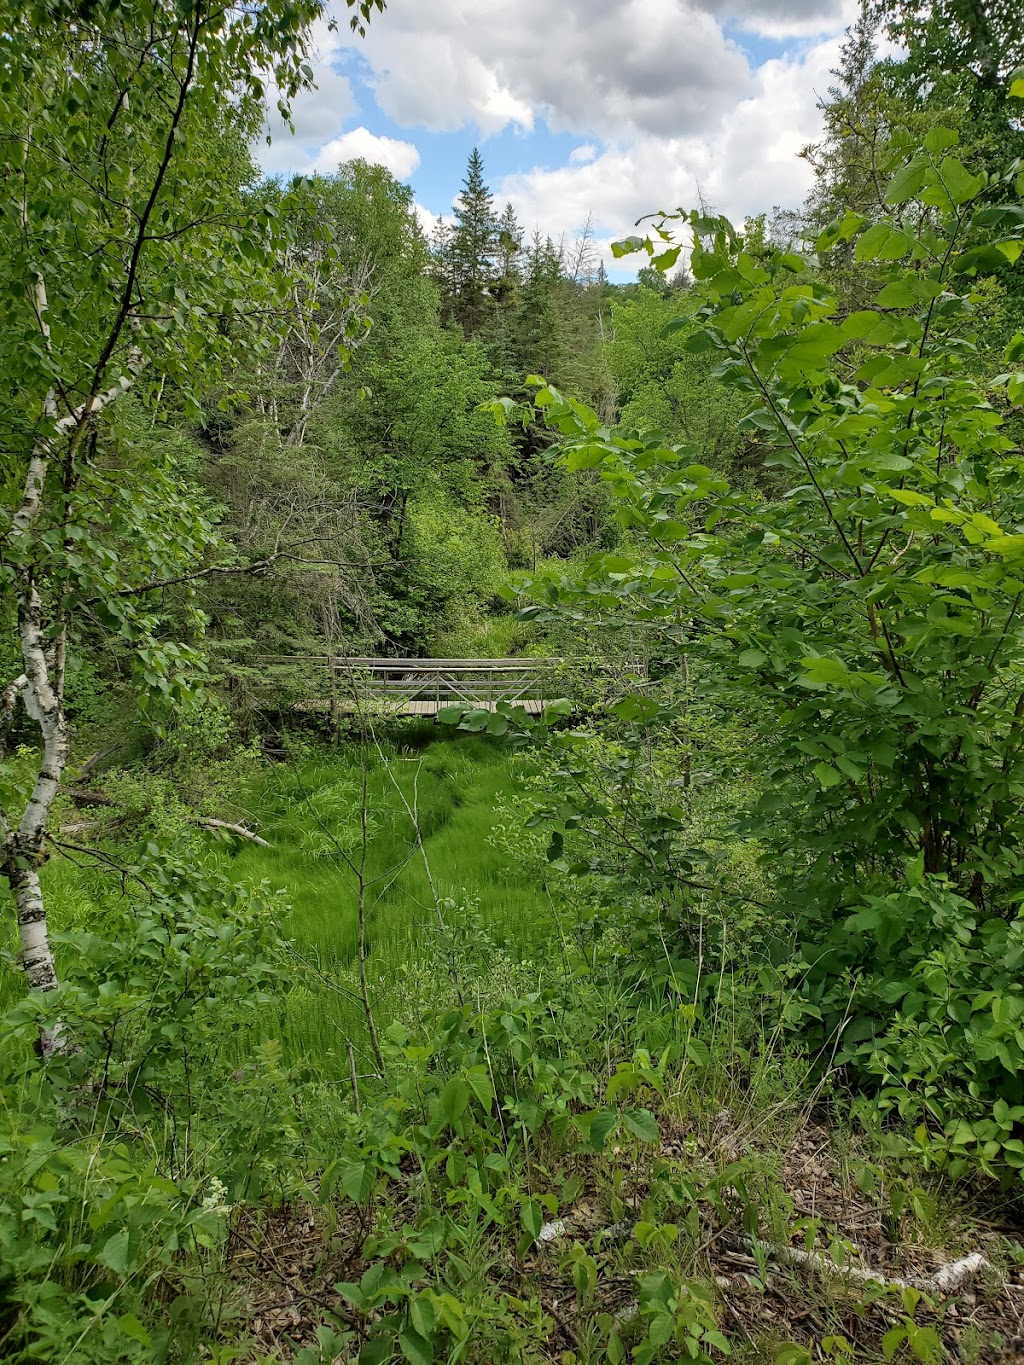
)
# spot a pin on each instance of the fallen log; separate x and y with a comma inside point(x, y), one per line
point(93, 761)
point(83, 797)
point(79, 827)
point(239, 830)
point(946, 1279)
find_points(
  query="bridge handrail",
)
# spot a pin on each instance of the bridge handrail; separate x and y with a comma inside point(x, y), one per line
point(431, 665)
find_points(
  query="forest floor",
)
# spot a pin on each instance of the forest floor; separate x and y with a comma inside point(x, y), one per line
point(284, 1268)
point(434, 806)
point(815, 1237)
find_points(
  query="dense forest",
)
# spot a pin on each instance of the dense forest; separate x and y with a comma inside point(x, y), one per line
point(672, 1010)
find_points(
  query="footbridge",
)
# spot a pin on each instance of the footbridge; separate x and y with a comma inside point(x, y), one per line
point(422, 687)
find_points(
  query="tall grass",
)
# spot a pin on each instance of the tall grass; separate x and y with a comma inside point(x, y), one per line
point(428, 864)
point(428, 861)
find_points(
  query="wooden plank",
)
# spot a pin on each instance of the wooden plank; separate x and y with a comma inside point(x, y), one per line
point(538, 662)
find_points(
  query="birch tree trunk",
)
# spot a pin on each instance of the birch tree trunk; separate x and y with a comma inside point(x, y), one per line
point(107, 125)
point(41, 687)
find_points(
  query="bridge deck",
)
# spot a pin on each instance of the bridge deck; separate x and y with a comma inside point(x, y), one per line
point(421, 687)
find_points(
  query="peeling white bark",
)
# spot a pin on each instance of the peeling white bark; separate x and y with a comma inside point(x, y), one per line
point(42, 687)
point(947, 1279)
point(239, 830)
point(24, 847)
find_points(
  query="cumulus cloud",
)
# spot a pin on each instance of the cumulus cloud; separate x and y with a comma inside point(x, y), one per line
point(749, 163)
point(785, 18)
point(609, 66)
point(661, 94)
point(316, 115)
point(359, 144)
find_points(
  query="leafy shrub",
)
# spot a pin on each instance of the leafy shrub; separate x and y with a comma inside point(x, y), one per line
point(864, 626)
point(924, 993)
point(120, 1158)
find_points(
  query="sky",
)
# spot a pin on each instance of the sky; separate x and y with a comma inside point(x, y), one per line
point(609, 108)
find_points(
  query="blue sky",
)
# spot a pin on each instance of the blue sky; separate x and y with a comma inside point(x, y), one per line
point(611, 108)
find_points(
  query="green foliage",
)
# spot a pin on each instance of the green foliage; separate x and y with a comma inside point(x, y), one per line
point(127, 1153)
point(665, 387)
point(866, 623)
point(803, 753)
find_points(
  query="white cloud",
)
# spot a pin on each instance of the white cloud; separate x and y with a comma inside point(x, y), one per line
point(316, 115)
point(786, 18)
point(359, 144)
point(429, 220)
point(608, 66)
point(663, 100)
point(748, 163)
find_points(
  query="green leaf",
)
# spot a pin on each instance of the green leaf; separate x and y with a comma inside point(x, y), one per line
point(751, 658)
point(791, 1354)
point(532, 1217)
point(1010, 546)
point(642, 1124)
point(940, 139)
point(417, 1349)
point(908, 181)
point(829, 671)
point(962, 186)
point(455, 1099)
point(451, 715)
point(598, 1126)
point(628, 246)
point(827, 776)
point(816, 342)
point(132, 1328)
point(357, 1179)
point(910, 498)
point(883, 243)
point(115, 1252)
point(897, 294)
point(422, 1315)
point(480, 1083)
point(379, 1351)
point(886, 460)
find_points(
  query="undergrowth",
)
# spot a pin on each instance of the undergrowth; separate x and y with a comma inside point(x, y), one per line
point(582, 1142)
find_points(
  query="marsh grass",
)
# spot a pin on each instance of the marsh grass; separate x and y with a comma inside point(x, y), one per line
point(433, 874)
point(432, 804)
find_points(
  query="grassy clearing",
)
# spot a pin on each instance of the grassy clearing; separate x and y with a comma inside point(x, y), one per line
point(428, 859)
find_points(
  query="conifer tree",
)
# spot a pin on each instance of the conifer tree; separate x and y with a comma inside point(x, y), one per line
point(509, 252)
point(473, 248)
point(441, 270)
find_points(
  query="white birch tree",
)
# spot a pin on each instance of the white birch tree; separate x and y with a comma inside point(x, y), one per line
point(130, 254)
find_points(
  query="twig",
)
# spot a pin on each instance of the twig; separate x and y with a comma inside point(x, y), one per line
point(352, 1074)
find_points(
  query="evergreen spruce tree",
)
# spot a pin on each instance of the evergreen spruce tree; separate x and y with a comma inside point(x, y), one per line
point(473, 248)
point(441, 269)
point(509, 252)
point(540, 330)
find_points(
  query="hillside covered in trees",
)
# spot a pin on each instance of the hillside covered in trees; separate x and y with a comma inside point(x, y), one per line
point(672, 1011)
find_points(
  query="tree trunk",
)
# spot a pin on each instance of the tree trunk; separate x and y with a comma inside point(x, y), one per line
point(24, 851)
